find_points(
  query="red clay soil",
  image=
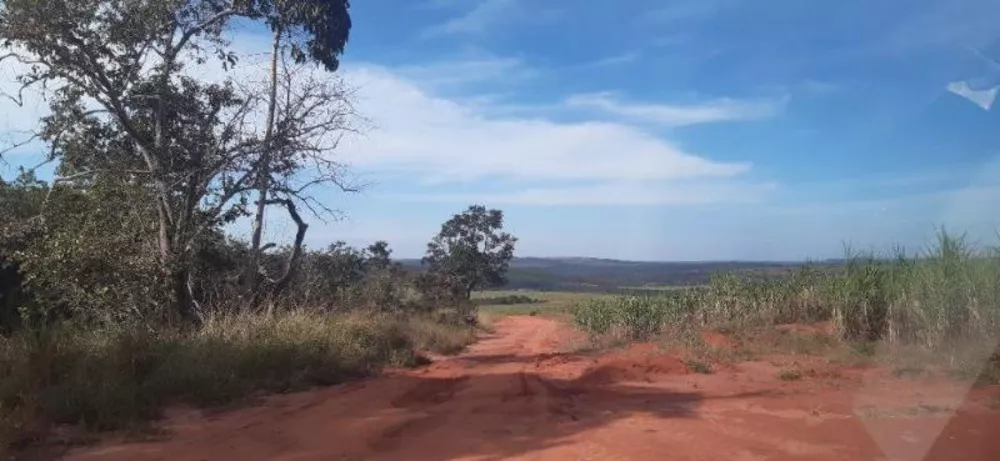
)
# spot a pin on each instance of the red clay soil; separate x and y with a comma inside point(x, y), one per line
point(717, 340)
point(512, 396)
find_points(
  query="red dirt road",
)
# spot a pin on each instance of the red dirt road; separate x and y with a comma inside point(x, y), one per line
point(512, 396)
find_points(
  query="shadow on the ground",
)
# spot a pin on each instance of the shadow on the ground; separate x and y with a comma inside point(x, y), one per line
point(486, 407)
point(490, 416)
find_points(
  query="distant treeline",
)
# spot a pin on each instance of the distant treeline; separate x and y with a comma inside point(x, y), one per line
point(613, 276)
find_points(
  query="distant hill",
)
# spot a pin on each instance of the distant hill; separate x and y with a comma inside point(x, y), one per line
point(596, 274)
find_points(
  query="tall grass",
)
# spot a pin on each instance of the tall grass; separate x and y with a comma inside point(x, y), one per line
point(116, 376)
point(634, 317)
point(945, 294)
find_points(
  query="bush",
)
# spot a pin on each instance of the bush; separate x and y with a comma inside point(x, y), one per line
point(91, 259)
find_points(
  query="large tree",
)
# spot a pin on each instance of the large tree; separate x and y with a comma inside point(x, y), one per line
point(125, 107)
point(304, 31)
point(471, 251)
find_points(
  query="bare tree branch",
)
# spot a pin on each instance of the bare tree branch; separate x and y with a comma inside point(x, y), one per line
point(17, 145)
point(197, 29)
point(292, 262)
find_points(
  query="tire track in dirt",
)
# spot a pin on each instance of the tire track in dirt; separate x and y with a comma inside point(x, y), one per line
point(431, 392)
point(514, 395)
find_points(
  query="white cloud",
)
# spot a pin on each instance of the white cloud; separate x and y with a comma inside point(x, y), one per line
point(426, 137)
point(617, 193)
point(443, 140)
point(718, 110)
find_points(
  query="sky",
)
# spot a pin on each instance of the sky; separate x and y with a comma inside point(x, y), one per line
point(686, 130)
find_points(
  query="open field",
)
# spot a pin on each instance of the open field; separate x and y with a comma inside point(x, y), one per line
point(559, 305)
point(519, 394)
point(546, 302)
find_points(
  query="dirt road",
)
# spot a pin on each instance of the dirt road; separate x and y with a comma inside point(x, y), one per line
point(513, 396)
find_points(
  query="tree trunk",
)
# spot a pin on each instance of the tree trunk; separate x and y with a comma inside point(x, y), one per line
point(292, 264)
point(263, 177)
point(184, 303)
point(178, 279)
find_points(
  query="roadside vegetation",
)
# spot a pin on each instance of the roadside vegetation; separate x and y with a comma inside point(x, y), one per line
point(944, 299)
point(123, 290)
point(79, 348)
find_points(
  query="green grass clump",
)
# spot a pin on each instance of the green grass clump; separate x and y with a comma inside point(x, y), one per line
point(443, 338)
point(114, 377)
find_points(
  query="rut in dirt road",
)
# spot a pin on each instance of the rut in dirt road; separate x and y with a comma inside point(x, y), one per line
point(513, 395)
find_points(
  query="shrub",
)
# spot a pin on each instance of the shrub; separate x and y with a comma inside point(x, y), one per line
point(443, 338)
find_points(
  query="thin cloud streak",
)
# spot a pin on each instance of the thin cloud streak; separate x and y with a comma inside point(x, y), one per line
point(718, 110)
point(639, 194)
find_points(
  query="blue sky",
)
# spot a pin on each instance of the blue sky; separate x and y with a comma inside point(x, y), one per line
point(684, 130)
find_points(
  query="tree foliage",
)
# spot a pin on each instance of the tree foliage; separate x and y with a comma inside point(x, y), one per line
point(470, 252)
point(316, 30)
point(95, 259)
point(342, 277)
point(154, 160)
point(127, 113)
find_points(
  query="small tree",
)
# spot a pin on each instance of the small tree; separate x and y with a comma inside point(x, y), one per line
point(471, 252)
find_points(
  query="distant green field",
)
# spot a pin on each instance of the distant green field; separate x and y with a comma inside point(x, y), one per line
point(547, 302)
point(655, 287)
